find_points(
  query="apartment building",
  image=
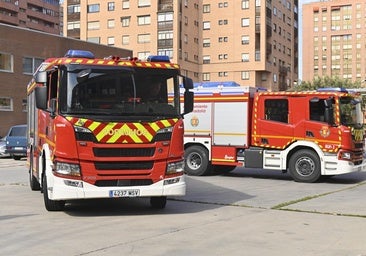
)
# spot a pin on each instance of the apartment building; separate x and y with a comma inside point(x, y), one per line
point(40, 15)
point(334, 40)
point(250, 42)
point(19, 59)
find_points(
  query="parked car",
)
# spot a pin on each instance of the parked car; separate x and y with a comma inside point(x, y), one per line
point(16, 141)
point(3, 148)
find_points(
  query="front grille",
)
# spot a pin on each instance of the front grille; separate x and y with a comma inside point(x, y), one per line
point(123, 152)
point(358, 145)
point(163, 136)
point(123, 183)
point(123, 165)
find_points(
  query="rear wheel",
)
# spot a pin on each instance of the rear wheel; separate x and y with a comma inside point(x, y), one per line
point(158, 202)
point(51, 205)
point(304, 166)
point(196, 161)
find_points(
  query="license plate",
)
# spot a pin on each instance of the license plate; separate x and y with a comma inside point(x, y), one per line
point(18, 148)
point(124, 193)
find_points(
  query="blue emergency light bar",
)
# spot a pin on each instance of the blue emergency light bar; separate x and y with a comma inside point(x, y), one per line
point(79, 54)
point(158, 58)
point(332, 89)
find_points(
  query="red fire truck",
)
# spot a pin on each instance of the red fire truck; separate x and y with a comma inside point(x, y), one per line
point(308, 134)
point(98, 128)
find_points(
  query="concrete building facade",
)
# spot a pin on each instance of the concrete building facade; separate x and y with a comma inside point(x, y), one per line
point(19, 59)
point(40, 15)
point(253, 43)
point(334, 40)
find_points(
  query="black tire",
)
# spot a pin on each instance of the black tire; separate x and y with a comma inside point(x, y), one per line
point(158, 202)
point(33, 182)
point(304, 166)
point(223, 168)
point(51, 205)
point(17, 157)
point(196, 161)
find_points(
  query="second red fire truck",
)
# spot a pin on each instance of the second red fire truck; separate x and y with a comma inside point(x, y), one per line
point(307, 134)
point(103, 128)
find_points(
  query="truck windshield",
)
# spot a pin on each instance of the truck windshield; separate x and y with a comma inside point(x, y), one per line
point(96, 90)
point(351, 112)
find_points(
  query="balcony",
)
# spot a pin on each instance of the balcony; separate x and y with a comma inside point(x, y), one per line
point(9, 19)
point(165, 7)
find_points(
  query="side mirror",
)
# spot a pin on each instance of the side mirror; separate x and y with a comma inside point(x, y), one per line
point(41, 97)
point(188, 102)
point(188, 83)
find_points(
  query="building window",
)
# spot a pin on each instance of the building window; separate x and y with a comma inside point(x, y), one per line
point(206, 59)
point(245, 22)
point(142, 55)
point(126, 4)
point(222, 56)
point(93, 8)
point(223, 74)
point(6, 62)
point(93, 25)
point(223, 22)
point(143, 38)
point(223, 39)
point(73, 9)
point(206, 8)
point(30, 65)
point(144, 20)
point(6, 104)
point(24, 105)
point(245, 75)
point(206, 25)
point(206, 77)
point(111, 23)
point(94, 40)
point(166, 51)
point(206, 42)
point(110, 40)
point(144, 3)
point(245, 4)
point(245, 57)
point(73, 25)
point(245, 39)
point(125, 40)
point(125, 21)
point(110, 6)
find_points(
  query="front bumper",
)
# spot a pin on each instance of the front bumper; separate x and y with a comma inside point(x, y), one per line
point(68, 189)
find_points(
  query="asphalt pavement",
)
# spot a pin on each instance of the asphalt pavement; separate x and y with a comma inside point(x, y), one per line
point(246, 212)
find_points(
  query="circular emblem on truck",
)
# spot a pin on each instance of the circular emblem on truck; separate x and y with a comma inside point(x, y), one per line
point(324, 131)
point(194, 121)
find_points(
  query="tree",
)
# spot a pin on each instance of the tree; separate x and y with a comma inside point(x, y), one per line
point(326, 81)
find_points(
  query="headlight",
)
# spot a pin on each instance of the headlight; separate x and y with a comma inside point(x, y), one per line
point(344, 155)
point(67, 169)
point(175, 167)
point(165, 130)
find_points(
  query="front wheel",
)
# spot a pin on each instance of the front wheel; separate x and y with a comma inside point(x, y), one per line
point(304, 166)
point(196, 161)
point(51, 205)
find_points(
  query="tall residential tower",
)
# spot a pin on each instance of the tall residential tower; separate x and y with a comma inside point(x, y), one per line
point(251, 42)
point(40, 15)
point(334, 40)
